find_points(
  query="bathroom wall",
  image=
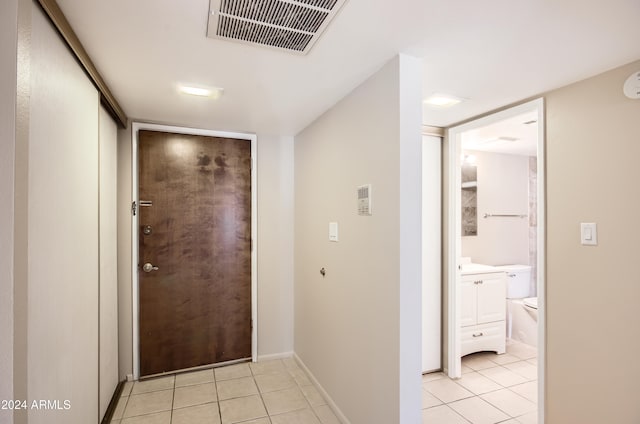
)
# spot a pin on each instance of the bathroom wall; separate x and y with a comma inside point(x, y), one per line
point(533, 223)
point(592, 297)
point(503, 188)
point(358, 328)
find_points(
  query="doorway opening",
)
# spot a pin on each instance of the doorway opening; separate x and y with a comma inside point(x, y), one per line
point(494, 288)
point(194, 237)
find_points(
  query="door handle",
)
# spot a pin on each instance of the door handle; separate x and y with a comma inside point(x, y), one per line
point(148, 267)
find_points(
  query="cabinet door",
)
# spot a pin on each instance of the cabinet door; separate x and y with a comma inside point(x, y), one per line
point(491, 299)
point(468, 302)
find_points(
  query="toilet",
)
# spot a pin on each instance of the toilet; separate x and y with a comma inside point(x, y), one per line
point(531, 305)
point(522, 308)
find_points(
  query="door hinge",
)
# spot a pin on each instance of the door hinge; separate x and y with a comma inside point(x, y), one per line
point(134, 207)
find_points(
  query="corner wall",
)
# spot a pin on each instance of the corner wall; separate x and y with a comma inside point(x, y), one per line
point(275, 246)
point(593, 148)
point(358, 329)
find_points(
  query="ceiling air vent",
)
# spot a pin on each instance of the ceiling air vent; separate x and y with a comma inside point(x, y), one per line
point(293, 25)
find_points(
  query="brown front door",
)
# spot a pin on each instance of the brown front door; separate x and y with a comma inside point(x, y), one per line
point(195, 308)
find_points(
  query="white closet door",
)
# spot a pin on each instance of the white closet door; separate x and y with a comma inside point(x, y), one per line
point(62, 232)
point(108, 260)
point(431, 253)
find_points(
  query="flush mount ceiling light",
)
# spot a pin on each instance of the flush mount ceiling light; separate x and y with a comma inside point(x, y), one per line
point(442, 100)
point(291, 25)
point(468, 159)
point(212, 92)
point(497, 141)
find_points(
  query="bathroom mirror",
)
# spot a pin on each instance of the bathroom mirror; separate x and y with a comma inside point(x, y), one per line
point(469, 199)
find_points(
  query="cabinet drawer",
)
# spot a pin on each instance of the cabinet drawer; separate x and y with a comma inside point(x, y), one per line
point(489, 337)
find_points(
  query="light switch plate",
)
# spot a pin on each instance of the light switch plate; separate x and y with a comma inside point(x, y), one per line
point(589, 233)
point(333, 231)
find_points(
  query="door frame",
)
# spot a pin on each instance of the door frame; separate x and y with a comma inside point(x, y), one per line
point(453, 234)
point(135, 301)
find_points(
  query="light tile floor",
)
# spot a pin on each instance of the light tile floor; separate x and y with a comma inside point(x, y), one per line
point(493, 389)
point(271, 392)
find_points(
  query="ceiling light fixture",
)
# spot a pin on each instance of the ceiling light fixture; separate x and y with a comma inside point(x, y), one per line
point(442, 100)
point(497, 141)
point(213, 92)
point(468, 159)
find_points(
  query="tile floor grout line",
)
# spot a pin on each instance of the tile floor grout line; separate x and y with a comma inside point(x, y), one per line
point(313, 409)
point(512, 416)
point(459, 414)
point(260, 392)
point(215, 383)
point(297, 387)
point(125, 405)
point(521, 361)
point(173, 399)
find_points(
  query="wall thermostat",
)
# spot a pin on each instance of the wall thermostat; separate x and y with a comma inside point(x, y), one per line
point(364, 199)
point(632, 86)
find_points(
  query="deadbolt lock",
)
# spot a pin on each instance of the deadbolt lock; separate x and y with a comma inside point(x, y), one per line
point(147, 230)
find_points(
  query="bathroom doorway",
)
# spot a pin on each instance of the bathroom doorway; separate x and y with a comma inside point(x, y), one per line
point(494, 255)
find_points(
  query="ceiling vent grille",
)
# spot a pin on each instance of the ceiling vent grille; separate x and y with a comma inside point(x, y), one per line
point(292, 25)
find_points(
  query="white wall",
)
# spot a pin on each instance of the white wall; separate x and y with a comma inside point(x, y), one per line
point(275, 247)
point(592, 291)
point(108, 379)
point(8, 40)
point(351, 331)
point(503, 188)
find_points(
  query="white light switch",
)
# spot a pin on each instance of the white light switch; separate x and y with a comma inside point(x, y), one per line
point(333, 231)
point(589, 233)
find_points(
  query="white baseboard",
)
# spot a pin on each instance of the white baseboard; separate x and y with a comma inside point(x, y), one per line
point(272, 356)
point(343, 419)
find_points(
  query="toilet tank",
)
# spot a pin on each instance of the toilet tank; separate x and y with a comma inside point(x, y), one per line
point(518, 280)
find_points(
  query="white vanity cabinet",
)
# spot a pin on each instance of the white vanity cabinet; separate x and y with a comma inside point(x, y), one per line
point(482, 312)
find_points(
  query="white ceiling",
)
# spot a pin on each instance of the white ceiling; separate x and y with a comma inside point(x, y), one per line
point(492, 52)
point(515, 136)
